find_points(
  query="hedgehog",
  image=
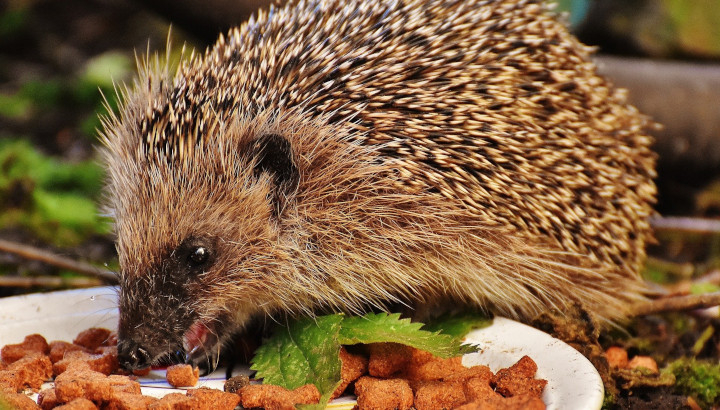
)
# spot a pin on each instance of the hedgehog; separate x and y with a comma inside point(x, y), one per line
point(350, 155)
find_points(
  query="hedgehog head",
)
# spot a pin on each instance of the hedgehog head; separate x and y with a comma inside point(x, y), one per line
point(204, 198)
point(198, 203)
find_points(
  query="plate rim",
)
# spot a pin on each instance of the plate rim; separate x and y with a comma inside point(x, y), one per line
point(513, 334)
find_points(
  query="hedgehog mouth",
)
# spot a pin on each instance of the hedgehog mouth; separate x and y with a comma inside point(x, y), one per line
point(201, 345)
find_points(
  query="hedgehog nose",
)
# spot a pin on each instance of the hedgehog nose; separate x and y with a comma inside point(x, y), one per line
point(132, 356)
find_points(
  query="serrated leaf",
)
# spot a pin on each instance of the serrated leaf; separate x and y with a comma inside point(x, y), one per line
point(458, 325)
point(307, 351)
point(304, 352)
point(381, 328)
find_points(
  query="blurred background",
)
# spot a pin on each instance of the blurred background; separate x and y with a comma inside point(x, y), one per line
point(59, 59)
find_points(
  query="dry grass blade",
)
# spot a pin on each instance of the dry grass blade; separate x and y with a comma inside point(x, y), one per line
point(686, 224)
point(49, 282)
point(30, 252)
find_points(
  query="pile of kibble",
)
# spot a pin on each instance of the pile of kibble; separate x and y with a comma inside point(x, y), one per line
point(382, 375)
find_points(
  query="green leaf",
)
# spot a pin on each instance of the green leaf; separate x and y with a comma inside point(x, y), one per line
point(5, 403)
point(307, 351)
point(458, 325)
point(381, 327)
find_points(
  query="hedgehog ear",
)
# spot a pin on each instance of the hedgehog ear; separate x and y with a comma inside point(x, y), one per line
point(273, 155)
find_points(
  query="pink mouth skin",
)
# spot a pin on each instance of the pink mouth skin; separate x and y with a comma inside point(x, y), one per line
point(196, 338)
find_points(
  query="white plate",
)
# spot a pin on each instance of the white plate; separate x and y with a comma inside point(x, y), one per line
point(573, 382)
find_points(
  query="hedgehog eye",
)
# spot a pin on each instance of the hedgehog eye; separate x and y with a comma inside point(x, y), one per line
point(198, 256)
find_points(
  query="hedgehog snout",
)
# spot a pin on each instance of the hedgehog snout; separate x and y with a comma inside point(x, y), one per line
point(132, 355)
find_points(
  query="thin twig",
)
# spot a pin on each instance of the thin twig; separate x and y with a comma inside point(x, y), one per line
point(677, 303)
point(686, 224)
point(30, 252)
point(48, 282)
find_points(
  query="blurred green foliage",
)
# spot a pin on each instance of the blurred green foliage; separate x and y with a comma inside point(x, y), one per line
point(13, 18)
point(54, 199)
point(699, 379)
point(655, 274)
point(100, 74)
point(86, 92)
point(651, 28)
point(695, 24)
point(703, 287)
